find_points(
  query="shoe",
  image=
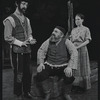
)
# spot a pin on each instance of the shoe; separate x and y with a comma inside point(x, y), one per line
point(80, 90)
point(19, 97)
point(77, 89)
point(47, 96)
point(67, 97)
point(74, 89)
point(28, 95)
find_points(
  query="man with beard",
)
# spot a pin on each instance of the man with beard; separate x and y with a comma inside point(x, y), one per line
point(57, 56)
point(18, 34)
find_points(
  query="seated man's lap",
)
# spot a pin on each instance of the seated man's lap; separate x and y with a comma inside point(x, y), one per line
point(49, 71)
point(43, 75)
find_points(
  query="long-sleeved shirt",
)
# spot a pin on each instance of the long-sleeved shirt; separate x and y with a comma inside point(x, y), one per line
point(42, 52)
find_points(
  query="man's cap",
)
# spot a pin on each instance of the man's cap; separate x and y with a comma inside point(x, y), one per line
point(61, 29)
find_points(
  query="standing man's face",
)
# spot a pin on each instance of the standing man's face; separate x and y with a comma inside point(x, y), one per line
point(23, 6)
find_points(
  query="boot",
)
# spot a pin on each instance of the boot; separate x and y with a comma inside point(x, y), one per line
point(39, 88)
point(47, 96)
point(66, 91)
point(67, 97)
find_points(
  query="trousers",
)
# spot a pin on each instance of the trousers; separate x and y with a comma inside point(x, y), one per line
point(44, 75)
point(49, 71)
point(22, 74)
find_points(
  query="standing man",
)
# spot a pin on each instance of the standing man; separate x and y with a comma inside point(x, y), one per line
point(18, 34)
point(57, 56)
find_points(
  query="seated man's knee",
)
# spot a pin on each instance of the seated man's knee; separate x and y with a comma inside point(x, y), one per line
point(39, 77)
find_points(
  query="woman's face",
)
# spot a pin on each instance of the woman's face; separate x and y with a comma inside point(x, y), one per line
point(78, 21)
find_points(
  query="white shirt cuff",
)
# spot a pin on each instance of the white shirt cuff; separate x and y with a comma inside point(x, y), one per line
point(18, 43)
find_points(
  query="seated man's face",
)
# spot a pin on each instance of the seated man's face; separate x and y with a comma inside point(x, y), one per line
point(56, 35)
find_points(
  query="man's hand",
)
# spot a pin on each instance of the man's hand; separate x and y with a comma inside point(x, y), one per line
point(24, 44)
point(33, 41)
point(68, 72)
point(40, 67)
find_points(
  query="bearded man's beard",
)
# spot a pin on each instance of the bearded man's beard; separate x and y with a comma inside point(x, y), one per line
point(54, 39)
point(22, 10)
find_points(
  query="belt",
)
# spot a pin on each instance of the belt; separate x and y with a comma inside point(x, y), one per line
point(56, 66)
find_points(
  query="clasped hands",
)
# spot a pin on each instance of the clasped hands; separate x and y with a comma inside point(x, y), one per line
point(67, 71)
point(32, 41)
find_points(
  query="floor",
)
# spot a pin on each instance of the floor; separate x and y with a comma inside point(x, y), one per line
point(7, 89)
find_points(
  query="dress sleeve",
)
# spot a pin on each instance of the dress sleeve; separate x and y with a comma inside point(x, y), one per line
point(88, 34)
point(71, 36)
point(73, 54)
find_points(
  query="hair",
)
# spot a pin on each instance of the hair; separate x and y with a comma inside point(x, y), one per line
point(19, 1)
point(80, 15)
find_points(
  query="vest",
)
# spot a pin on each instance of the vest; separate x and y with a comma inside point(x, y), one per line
point(18, 33)
point(57, 54)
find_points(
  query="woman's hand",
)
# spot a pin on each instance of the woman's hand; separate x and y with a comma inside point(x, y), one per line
point(83, 44)
point(77, 47)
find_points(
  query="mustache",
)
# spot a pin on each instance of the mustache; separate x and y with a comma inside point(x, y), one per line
point(53, 35)
point(53, 39)
point(23, 8)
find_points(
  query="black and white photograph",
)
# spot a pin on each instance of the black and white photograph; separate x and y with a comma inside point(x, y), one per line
point(50, 49)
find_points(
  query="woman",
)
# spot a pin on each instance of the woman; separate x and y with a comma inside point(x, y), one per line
point(81, 36)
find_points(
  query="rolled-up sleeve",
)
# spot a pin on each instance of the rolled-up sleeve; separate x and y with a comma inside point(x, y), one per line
point(73, 54)
point(42, 51)
point(8, 32)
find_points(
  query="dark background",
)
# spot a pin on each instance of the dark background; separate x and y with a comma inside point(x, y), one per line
point(46, 14)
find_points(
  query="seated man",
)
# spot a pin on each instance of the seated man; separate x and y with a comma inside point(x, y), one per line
point(57, 56)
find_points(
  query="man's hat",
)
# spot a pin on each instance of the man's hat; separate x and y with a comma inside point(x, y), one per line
point(61, 29)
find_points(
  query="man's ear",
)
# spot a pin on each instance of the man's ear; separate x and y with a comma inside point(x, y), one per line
point(16, 4)
point(62, 34)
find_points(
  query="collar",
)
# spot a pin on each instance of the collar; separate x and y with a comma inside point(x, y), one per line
point(59, 41)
